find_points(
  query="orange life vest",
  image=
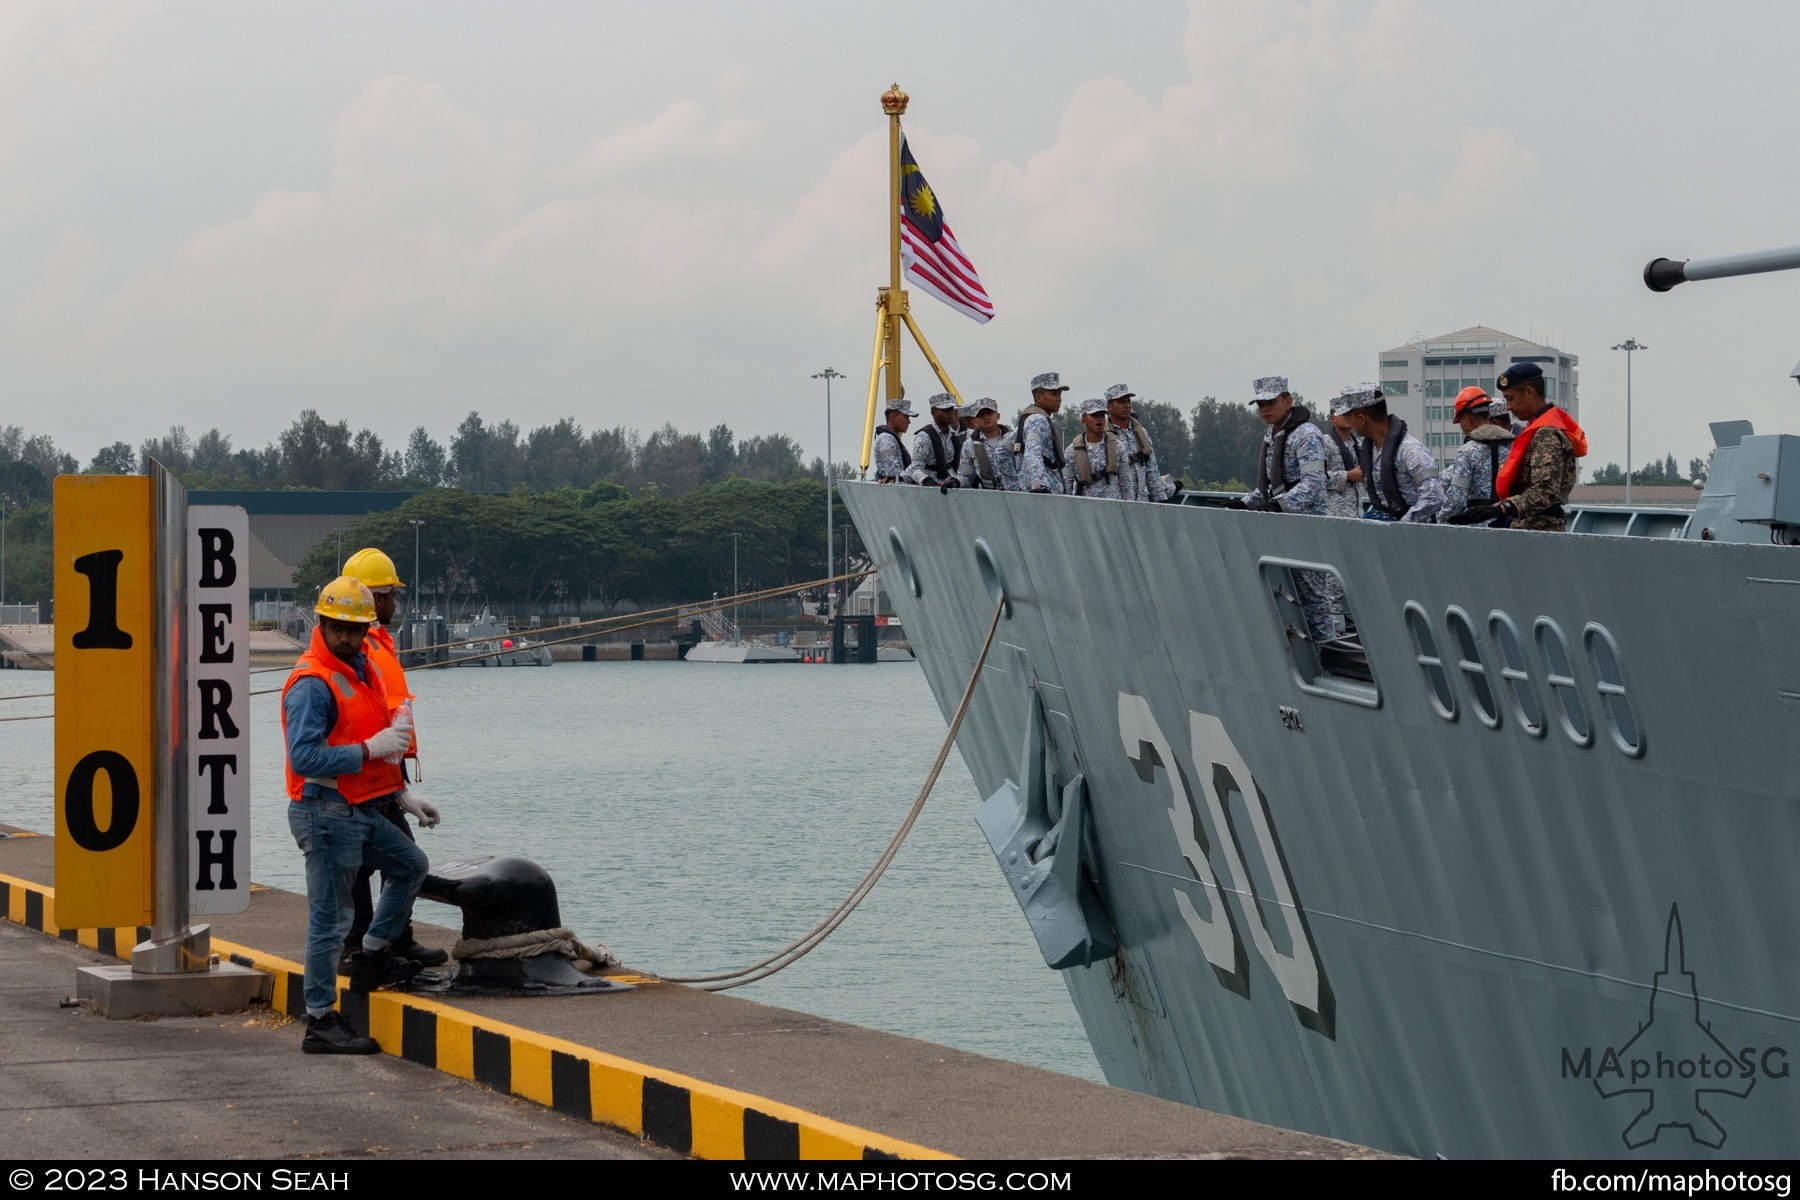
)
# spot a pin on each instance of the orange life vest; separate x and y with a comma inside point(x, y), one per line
point(1515, 458)
point(362, 712)
point(385, 660)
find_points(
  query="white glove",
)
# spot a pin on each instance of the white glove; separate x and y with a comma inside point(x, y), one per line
point(416, 804)
point(392, 740)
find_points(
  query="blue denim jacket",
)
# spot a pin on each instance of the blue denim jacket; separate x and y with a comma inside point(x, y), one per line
point(311, 716)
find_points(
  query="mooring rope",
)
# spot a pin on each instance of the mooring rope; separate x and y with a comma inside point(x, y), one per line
point(539, 941)
point(794, 951)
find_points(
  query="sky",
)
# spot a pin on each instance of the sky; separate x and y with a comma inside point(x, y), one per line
point(218, 214)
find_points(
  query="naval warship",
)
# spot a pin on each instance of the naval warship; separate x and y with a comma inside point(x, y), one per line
point(1508, 873)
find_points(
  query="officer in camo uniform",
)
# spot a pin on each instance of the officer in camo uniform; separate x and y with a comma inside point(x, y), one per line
point(1541, 470)
point(987, 459)
point(1135, 440)
point(1469, 479)
point(1035, 443)
point(934, 446)
point(1401, 476)
point(1343, 474)
point(1094, 461)
point(891, 458)
point(1290, 477)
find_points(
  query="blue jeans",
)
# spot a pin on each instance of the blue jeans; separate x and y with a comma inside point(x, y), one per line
point(337, 838)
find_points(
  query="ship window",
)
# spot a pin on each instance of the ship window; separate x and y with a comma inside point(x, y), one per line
point(1559, 673)
point(1609, 681)
point(1425, 653)
point(904, 561)
point(1475, 673)
point(1335, 667)
point(1515, 673)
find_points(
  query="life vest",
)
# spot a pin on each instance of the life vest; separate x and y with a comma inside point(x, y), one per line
point(943, 462)
point(1083, 461)
point(1271, 468)
point(1507, 482)
point(1349, 457)
point(1144, 450)
point(362, 712)
point(1386, 496)
point(385, 659)
point(1055, 461)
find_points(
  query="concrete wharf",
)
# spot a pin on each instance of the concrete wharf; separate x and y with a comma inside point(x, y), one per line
point(661, 1070)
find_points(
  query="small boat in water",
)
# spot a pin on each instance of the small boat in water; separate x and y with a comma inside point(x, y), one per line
point(489, 643)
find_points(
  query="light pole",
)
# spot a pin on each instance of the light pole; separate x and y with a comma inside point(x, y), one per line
point(415, 596)
point(340, 551)
point(737, 631)
point(5, 503)
point(830, 485)
point(1629, 346)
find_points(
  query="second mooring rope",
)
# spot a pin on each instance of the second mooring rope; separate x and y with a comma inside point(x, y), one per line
point(794, 951)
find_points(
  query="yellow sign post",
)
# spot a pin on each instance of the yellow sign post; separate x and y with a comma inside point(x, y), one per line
point(105, 714)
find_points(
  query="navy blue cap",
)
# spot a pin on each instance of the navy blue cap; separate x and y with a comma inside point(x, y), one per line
point(1520, 372)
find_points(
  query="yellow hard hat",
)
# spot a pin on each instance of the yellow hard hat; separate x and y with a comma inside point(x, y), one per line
point(346, 598)
point(374, 568)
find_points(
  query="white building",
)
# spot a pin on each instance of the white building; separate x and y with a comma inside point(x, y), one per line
point(1421, 379)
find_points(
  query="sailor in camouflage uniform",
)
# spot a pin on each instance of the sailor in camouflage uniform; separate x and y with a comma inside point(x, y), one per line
point(1035, 443)
point(1095, 464)
point(891, 458)
point(1343, 474)
point(1290, 477)
point(934, 447)
point(1541, 470)
point(1134, 439)
point(987, 459)
point(1470, 477)
point(1401, 476)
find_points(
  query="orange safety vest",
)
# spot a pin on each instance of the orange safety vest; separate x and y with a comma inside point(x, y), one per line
point(362, 712)
point(1552, 416)
point(379, 646)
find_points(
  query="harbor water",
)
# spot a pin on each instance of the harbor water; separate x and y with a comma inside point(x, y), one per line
point(696, 818)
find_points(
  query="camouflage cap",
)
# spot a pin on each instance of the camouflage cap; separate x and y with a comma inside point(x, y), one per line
point(1049, 381)
point(1339, 406)
point(1090, 407)
point(985, 404)
point(1120, 391)
point(941, 400)
point(900, 406)
point(1269, 387)
point(1358, 395)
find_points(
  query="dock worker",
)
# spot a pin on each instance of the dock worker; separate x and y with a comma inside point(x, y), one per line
point(891, 458)
point(1140, 451)
point(1470, 477)
point(935, 445)
point(1343, 474)
point(1035, 444)
point(1094, 462)
point(1290, 473)
point(987, 460)
point(339, 734)
point(377, 573)
point(1541, 469)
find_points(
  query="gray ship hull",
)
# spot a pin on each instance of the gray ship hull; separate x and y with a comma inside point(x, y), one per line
point(1526, 890)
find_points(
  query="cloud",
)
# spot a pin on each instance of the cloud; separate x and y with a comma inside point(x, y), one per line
point(679, 131)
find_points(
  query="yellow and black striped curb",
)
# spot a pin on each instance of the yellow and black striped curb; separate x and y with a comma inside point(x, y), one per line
point(675, 1111)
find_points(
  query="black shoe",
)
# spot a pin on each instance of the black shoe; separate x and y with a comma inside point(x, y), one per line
point(425, 956)
point(331, 1034)
point(372, 969)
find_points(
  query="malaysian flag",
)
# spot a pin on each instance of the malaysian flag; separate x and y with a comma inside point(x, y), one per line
point(929, 254)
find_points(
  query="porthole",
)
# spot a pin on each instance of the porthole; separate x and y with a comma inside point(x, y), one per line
point(1615, 700)
point(1515, 673)
point(992, 577)
point(904, 561)
point(1475, 674)
point(1559, 673)
point(1425, 653)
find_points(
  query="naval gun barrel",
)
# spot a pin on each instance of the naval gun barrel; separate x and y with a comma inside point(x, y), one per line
point(1661, 274)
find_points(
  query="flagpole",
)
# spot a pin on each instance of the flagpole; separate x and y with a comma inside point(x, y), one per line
point(893, 103)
